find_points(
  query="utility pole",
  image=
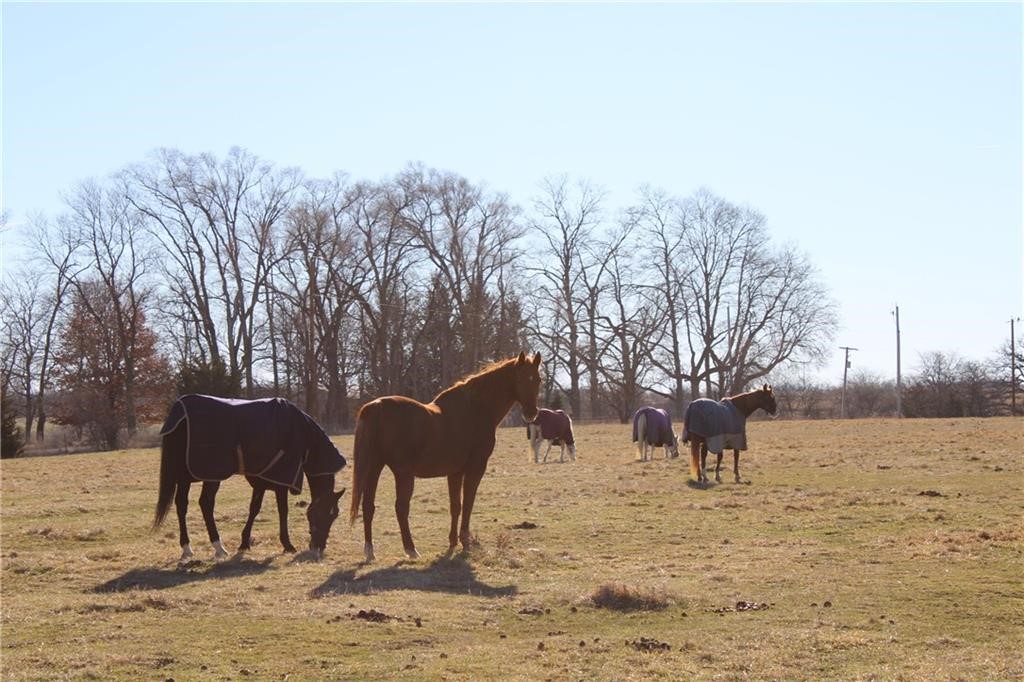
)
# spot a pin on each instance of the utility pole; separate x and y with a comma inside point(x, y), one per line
point(899, 381)
point(1013, 370)
point(846, 366)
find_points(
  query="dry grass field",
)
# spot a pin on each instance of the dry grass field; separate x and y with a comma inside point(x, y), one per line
point(856, 550)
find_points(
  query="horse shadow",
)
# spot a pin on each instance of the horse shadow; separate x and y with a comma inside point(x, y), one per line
point(155, 578)
point(453, 575)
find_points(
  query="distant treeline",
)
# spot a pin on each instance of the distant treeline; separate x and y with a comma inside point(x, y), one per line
point(237, 277)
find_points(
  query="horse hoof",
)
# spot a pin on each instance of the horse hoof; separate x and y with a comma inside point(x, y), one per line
point(412, 554)
point(186, 555)
point(290, 549)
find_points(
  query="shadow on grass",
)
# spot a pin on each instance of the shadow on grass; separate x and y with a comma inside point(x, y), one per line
point(153, 578)
point(453, 575)
point(690, 483)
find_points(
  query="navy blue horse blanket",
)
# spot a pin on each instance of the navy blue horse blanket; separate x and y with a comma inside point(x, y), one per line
point(659, 427)
point(271, 439)
point(720, 424)
point(555, 426)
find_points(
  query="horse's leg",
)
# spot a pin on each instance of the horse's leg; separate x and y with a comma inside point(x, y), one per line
point(404, 484)
point(181, 506)
point(736, 464)
point(255, 503)
point(695, 458)
point(470, 483)
point(455, 507)
point(206, 500)
point(718, 467)
point(704, 462)
point(282, 519)
point(369, 495)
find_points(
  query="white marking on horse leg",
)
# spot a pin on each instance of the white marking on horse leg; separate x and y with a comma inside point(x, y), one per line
point(412, 554)
point(368, 552)
point(186, 554)
point(219, 553)
point(572, 452)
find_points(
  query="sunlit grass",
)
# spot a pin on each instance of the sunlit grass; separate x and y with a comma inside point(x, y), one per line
point(878, 548)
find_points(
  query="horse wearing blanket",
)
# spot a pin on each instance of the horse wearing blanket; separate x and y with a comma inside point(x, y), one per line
point(715, 426)
point(271, 442)
point(652, 428)
point(555, 427)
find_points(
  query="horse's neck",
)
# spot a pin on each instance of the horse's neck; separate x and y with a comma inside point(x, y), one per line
point(746, 403)
point(487, 396)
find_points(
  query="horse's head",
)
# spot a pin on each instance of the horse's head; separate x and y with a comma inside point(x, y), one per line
point(321, 513)
point(527, 383)
point(767, 401)
point(673, 446)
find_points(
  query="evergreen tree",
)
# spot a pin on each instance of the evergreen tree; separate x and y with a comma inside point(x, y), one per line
point(11, 442)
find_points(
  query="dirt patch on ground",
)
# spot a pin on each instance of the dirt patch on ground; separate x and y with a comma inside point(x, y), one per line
point(648, 645)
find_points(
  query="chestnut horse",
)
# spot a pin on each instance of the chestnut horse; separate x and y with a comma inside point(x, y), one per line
point(451, 436)
point(718, 425)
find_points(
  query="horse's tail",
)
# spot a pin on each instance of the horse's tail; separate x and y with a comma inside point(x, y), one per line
point(639, 431)
point(171, 448)
point(362, 451)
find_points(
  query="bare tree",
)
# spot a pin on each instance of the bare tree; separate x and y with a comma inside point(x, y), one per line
point(54, 254)
point(105, 231)
point(219, 224)
point(629, 327)
point(382, 284)
point(467, 235)
point(317, 290)
point(22, 307)
point(565, 219)
point(736, 307)
point(662, 232)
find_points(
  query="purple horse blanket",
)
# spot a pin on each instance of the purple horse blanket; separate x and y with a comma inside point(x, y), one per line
point(659, 427)
point(271, 439)
point(555, 426)
point(720, 424)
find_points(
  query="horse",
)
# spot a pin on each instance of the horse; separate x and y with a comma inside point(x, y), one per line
point(452, 436)
point(554, 426)
point(270, 441)
point(714, 426)
point(652, 427)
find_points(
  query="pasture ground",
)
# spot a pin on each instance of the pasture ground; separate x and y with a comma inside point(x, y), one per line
point(880, 549)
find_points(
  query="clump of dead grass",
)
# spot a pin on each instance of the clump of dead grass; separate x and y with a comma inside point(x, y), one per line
point(621, 597)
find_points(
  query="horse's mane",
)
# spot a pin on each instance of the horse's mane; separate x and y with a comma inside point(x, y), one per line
point(484, 371)
point(744, 394)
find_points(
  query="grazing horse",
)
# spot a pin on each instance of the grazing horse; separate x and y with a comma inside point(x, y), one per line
point(271, 442)
point(555, 427)
point(714, 426)
point(451, 436)
point(652, 428)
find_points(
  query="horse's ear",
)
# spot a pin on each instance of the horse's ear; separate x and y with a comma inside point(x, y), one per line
point(536, 359)
point(522, 357)
point(767, 388)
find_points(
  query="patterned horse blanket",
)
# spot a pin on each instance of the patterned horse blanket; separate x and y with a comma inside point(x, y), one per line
point(555, 426)
point(720, 424)
point(659, 427)
point(271, 439)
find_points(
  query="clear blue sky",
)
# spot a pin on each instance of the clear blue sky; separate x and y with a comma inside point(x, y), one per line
point(882, 139)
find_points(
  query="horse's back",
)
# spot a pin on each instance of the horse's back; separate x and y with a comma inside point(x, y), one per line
point(413, 436)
